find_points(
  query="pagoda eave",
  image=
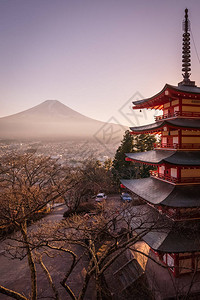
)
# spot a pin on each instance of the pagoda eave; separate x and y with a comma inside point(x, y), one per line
point(163, 234)
point(169, 219)
point(157, 192)
point(193, 124)
point(173, 240)
point(171, 157)
point(169, 91)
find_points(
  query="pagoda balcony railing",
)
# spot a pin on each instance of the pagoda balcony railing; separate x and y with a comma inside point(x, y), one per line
point(166, 145)
point(188, 114)
point(155, 174)
point(172, 179)
point(176, 214)
point(177, 146)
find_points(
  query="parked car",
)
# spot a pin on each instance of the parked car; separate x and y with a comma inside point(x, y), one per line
point(100, 197)
point(126, 197)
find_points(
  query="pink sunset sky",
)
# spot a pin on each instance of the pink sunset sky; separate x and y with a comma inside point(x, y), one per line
point(91, 55)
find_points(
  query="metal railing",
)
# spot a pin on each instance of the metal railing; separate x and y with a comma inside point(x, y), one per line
point(166, 145)
point(177, 146)
point(170, 178)
point(188, 114)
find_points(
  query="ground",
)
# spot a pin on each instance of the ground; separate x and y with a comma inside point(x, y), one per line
point(15, 275)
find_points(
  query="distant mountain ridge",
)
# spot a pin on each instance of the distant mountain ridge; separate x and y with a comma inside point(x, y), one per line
point(52, 119)
point(48, 109)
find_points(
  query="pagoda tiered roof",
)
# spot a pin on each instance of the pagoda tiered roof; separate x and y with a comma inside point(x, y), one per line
point(158, 192)
point(169, 222)
point(164, 234)
point(157, 157)
point(169, 91)
point(173, 123)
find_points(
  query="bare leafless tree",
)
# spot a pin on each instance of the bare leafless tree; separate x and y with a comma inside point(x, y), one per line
point(100, 237)
point(28, 183)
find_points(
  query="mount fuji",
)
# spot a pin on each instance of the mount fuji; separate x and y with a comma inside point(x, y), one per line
point(54, 120)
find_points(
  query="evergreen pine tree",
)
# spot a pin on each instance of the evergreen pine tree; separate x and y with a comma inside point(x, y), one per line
point(130, 144)
point(122, 168)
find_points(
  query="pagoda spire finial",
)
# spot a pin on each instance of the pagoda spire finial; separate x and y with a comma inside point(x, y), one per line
point(186, 61)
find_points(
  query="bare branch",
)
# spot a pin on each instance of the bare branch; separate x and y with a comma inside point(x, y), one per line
point(12, 294)
point(48, 275)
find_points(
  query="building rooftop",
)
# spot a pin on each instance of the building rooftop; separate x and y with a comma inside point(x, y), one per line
point(173, 123)
point(186, 158)
point(164, 234)
point(158, 192)
point(163, 96)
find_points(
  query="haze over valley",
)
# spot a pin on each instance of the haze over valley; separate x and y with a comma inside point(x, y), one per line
point(53, 129)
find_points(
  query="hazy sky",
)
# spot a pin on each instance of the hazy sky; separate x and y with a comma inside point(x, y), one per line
point(91, 55)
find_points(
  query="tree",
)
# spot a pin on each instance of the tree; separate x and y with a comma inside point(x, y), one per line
point(144, 142)
point(28, 183)
point(91, 178)
point(130, 144)
point(100, 237)
point(121, 168)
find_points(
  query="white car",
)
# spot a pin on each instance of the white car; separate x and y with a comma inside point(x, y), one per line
point(100, 197)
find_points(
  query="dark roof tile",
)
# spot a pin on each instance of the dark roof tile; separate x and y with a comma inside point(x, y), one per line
point(186, 158)
point(159, 192)
point(164, 234)
point(178, 122)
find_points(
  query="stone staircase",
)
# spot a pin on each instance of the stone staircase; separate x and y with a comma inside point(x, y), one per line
point(126, 280)
point(127, 274)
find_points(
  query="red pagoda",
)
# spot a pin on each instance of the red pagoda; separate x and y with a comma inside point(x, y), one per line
point(172, 191)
